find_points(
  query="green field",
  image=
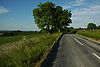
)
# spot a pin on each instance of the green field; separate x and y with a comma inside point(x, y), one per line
point(10, 39)
point(28, 53)
point(92, 34)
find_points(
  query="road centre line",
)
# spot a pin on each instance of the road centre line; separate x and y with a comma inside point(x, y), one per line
point(78, 41)
point(96, 55)
point(92, 53)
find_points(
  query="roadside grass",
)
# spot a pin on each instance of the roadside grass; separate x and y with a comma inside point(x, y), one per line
point(28, 53)
point(92, 34)
point(10, 39)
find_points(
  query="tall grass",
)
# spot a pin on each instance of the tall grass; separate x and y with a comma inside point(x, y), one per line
point(28, 53)
point(92, 34)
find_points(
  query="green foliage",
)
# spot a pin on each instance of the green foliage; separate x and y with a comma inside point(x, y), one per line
point(71, 30)
point(28, 53)
point(91, 26)
point(98, 27)
point(16, 33)
point(50, 17)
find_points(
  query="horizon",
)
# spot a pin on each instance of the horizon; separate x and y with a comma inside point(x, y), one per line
point(17, 15)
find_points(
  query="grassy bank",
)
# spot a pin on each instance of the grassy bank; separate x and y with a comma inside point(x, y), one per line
point(28, 53)
point(92, 34)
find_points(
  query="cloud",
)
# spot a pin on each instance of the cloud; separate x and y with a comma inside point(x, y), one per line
point(66, 7)
point(78, 2)
point(90, 11)
point(82, 16)
point(3, 10)
point(73, 4)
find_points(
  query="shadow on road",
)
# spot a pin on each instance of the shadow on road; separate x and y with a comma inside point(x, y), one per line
point(48, 62)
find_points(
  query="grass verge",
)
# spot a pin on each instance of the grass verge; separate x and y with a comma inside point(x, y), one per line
point(28, 53)
point(91, 34)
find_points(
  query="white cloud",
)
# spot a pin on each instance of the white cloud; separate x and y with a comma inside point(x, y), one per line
point(92, 10)
point(3, 10)
point(81, 17)
point(78, 2)
point(73, 3)
point(66, 7)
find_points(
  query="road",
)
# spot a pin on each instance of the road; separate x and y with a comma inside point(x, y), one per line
point(73, 51)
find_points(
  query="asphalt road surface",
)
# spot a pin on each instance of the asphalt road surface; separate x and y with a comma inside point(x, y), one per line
point(73, 51)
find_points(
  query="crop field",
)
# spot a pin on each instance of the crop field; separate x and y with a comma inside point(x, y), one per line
point(29, 52)
point(10, 39)
point(92, 34)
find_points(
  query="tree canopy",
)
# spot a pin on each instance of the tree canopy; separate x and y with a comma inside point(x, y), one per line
point(91, 26)
point(98, 27)
point(50, 17)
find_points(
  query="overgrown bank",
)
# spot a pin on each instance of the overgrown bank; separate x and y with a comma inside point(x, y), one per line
point(92, 34)
point(28, 53)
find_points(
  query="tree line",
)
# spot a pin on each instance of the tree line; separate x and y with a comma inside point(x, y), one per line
point(92, 26)
point(17, 33)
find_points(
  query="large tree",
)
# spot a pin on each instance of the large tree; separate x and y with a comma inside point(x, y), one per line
point(91, 26)
point(50, 17)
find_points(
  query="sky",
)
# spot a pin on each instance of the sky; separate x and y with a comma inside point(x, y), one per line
point(18, 14)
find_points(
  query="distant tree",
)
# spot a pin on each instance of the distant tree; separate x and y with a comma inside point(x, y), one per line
point(91, 26)
point(50, 17)
point(70, 29)
point(98, 27)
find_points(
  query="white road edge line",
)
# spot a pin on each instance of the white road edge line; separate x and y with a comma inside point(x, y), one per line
point(96, 55)
point(78, 41)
